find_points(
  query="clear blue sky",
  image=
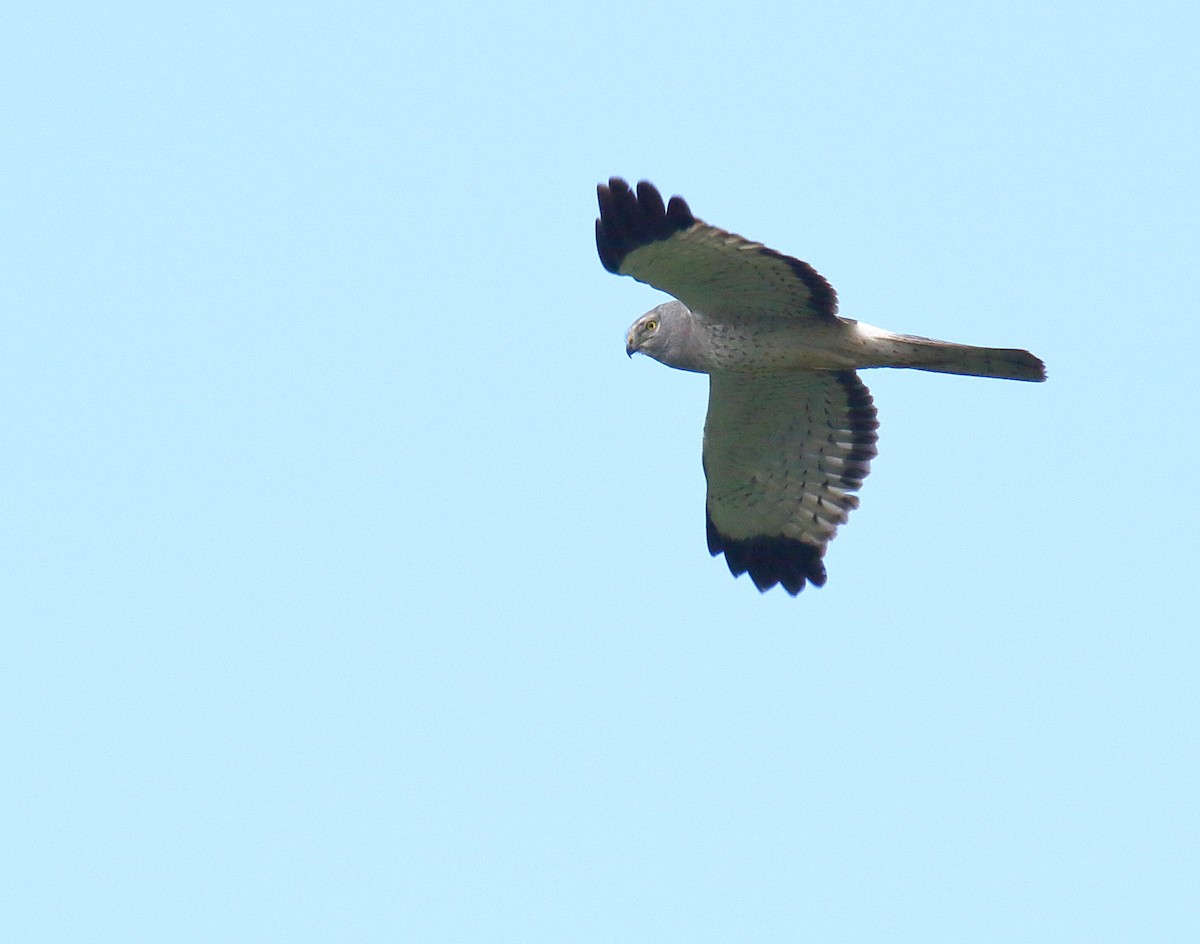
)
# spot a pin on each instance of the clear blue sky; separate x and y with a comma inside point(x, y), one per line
point(354, 585)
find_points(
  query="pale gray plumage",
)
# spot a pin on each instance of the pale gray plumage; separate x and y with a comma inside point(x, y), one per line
point(791, 428)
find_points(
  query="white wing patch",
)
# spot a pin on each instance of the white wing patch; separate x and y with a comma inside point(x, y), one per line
point(783, 454)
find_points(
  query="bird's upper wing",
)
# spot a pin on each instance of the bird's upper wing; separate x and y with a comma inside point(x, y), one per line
point(782, 454)
point(718, 275)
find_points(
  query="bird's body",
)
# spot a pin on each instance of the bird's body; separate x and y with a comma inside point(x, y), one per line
point(791, 428)
point(790, 344)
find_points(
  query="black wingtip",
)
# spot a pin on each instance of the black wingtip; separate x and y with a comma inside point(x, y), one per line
point(630, 219)
point(770, 561)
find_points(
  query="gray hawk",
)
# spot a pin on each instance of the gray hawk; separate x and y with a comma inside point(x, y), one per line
point(791, 429)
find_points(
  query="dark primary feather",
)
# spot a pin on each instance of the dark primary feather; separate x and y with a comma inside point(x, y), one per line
point(770, 560)
point(629, 220)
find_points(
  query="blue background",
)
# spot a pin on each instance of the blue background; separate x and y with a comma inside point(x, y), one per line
point(354, 582)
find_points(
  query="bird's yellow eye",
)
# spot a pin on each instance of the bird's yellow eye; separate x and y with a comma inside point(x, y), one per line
point(652, 325)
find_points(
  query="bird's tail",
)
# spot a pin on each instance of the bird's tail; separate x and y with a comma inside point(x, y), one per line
point(945, 357)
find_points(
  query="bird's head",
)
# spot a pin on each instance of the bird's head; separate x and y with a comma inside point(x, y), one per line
point(663, 333)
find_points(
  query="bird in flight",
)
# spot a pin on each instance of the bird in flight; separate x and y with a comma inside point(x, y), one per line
point(791, 429)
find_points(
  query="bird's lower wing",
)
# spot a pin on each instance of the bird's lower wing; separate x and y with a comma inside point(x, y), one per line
point(783, 453)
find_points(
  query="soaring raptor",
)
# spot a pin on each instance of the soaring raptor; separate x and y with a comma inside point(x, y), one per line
point(791, 428)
